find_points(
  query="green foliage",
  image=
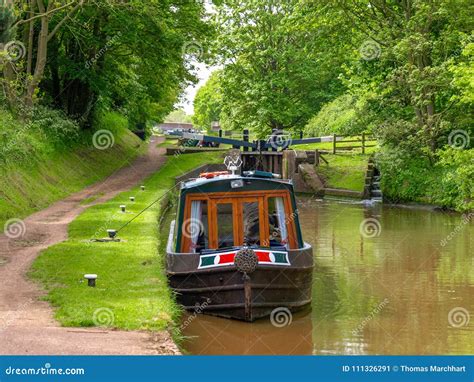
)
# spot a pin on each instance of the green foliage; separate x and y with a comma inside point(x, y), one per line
point(178, 115)
point(339, 116)
point(208, 102)
point(46, 130)
point(54, 126)
point(448, 183)
point(133, 57)
point(279, 69)
point(457, 184)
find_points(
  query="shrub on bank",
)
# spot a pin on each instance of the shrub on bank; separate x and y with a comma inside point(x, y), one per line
point(447, 183)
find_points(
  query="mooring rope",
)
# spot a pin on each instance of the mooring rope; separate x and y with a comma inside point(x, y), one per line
point(146, 208)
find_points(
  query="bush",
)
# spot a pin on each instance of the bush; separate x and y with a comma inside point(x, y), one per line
point(47, 130)
point(340, 116)
point(458, 179)
point(447, 183)
point(54, 126)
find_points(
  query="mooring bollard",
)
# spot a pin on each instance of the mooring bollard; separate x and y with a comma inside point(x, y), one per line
point(90, 279)
point(132, 198)
point(112, 233)
point(123, 207)
point(143, 188)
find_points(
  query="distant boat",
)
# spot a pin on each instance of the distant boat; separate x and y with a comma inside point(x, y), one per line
point(236, 249)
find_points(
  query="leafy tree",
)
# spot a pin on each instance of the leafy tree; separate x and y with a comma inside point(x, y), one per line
point(83, 56)
point(343, 115)
point(277, 72)
point(407, 51)
point(178, 115)
point(21, 80)
point(208, 102)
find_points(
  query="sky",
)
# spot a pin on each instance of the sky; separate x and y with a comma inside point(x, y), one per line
point(202, 72)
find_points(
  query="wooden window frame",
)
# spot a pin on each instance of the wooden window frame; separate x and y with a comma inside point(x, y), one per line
point(237, 198)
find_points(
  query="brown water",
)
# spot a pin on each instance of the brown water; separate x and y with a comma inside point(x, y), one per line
point(409, 289)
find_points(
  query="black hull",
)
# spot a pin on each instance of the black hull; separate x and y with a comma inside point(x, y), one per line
point(226, 292)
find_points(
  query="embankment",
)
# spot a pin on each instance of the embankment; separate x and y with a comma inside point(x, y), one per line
point(50, 158)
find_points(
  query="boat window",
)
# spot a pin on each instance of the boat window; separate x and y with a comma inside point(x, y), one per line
point(225, 229)
point(251, 223)
point(197, 227)
point(277, 222)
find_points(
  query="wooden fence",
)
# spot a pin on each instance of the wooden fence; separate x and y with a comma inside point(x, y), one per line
point(358, 142)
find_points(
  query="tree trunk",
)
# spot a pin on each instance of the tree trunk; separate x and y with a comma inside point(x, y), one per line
point(41, 55)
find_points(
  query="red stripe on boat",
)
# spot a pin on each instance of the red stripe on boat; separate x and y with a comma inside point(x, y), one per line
point(227, 258)
point(263, 256)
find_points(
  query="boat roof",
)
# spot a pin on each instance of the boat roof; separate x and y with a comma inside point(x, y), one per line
point(217, 183)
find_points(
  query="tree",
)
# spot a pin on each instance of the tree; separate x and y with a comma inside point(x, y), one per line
point(208, 102)
point(277, 73)
point(407, 50)
point(26, 78)
point(83, 56)
point(178, 115)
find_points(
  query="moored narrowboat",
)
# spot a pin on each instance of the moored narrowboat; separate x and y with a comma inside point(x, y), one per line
point(236, 250)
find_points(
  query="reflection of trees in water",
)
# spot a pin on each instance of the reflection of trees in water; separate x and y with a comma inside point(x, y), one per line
point(405, 264)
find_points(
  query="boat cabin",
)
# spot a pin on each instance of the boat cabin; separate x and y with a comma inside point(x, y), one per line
point(221, 211)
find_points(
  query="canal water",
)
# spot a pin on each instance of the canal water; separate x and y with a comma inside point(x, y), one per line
point(387, 280)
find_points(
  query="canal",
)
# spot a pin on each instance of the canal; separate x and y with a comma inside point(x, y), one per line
point(387, 280)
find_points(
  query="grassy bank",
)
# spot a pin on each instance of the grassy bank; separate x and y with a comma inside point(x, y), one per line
point(51, 158)
point(132, 291)
point(345, 171)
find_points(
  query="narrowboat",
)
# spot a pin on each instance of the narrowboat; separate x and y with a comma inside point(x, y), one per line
point(235, 249)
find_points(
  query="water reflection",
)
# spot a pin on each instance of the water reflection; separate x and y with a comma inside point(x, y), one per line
point(382, 291)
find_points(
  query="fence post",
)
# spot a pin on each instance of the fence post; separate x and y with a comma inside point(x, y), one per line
point(363, 143)
point(246, 138)
point(334, 136)
point(220, 133)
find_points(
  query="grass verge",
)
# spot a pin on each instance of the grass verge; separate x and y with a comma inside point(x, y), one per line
point(345, 171)
point(132, 290)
